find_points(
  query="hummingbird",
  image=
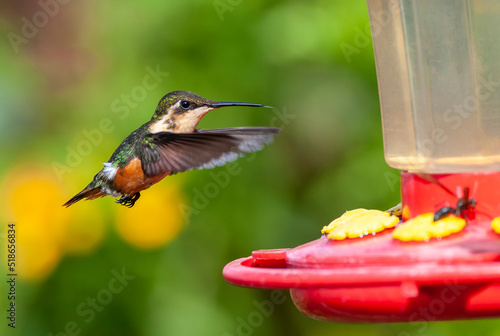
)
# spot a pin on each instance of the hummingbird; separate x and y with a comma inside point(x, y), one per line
point(169, 144)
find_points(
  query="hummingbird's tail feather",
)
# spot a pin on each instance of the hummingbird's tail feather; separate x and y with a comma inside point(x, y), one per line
point(88, 194)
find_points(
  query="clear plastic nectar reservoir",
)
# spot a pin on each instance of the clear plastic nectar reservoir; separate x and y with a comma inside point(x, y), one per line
point(438, 68)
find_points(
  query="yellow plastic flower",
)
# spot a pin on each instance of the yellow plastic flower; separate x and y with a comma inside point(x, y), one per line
point(406, 213)
point(423, 228)
point(359, 223)
point(495, 224)
point(154, 220)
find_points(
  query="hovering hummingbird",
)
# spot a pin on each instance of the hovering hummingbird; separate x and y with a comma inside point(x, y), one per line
point(169, 144)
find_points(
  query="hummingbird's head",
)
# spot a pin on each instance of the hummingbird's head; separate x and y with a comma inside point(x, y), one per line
point(181, 111)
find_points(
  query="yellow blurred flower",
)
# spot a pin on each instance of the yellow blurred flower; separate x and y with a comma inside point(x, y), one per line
point(44, 229)
point(86, 230)
point(155, 219)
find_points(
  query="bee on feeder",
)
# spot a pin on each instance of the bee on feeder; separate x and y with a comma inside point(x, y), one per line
point(464, 204)
point(396, 210)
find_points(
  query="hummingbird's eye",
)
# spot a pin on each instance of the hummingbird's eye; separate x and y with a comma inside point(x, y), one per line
point(185, 104)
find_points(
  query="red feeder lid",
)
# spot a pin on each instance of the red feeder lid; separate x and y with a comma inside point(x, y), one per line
point(379, 279)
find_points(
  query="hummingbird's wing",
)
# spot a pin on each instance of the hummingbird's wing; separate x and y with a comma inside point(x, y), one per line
point(178, 152)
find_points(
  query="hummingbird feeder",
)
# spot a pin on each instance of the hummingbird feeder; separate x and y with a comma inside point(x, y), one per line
point(438, 258)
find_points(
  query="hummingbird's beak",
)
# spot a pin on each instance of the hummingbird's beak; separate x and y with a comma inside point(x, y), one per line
point(224, 103)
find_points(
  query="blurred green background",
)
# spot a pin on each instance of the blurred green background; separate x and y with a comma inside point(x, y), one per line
point(77, 77)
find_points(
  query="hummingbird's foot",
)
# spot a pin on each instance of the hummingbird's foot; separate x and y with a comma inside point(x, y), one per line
point(129, 201)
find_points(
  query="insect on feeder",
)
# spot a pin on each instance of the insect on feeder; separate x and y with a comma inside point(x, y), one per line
point(439, 80)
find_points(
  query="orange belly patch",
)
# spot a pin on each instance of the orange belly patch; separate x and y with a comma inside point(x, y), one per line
point(131, 178)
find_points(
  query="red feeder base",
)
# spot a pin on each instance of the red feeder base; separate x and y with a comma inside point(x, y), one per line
point(379, 279)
